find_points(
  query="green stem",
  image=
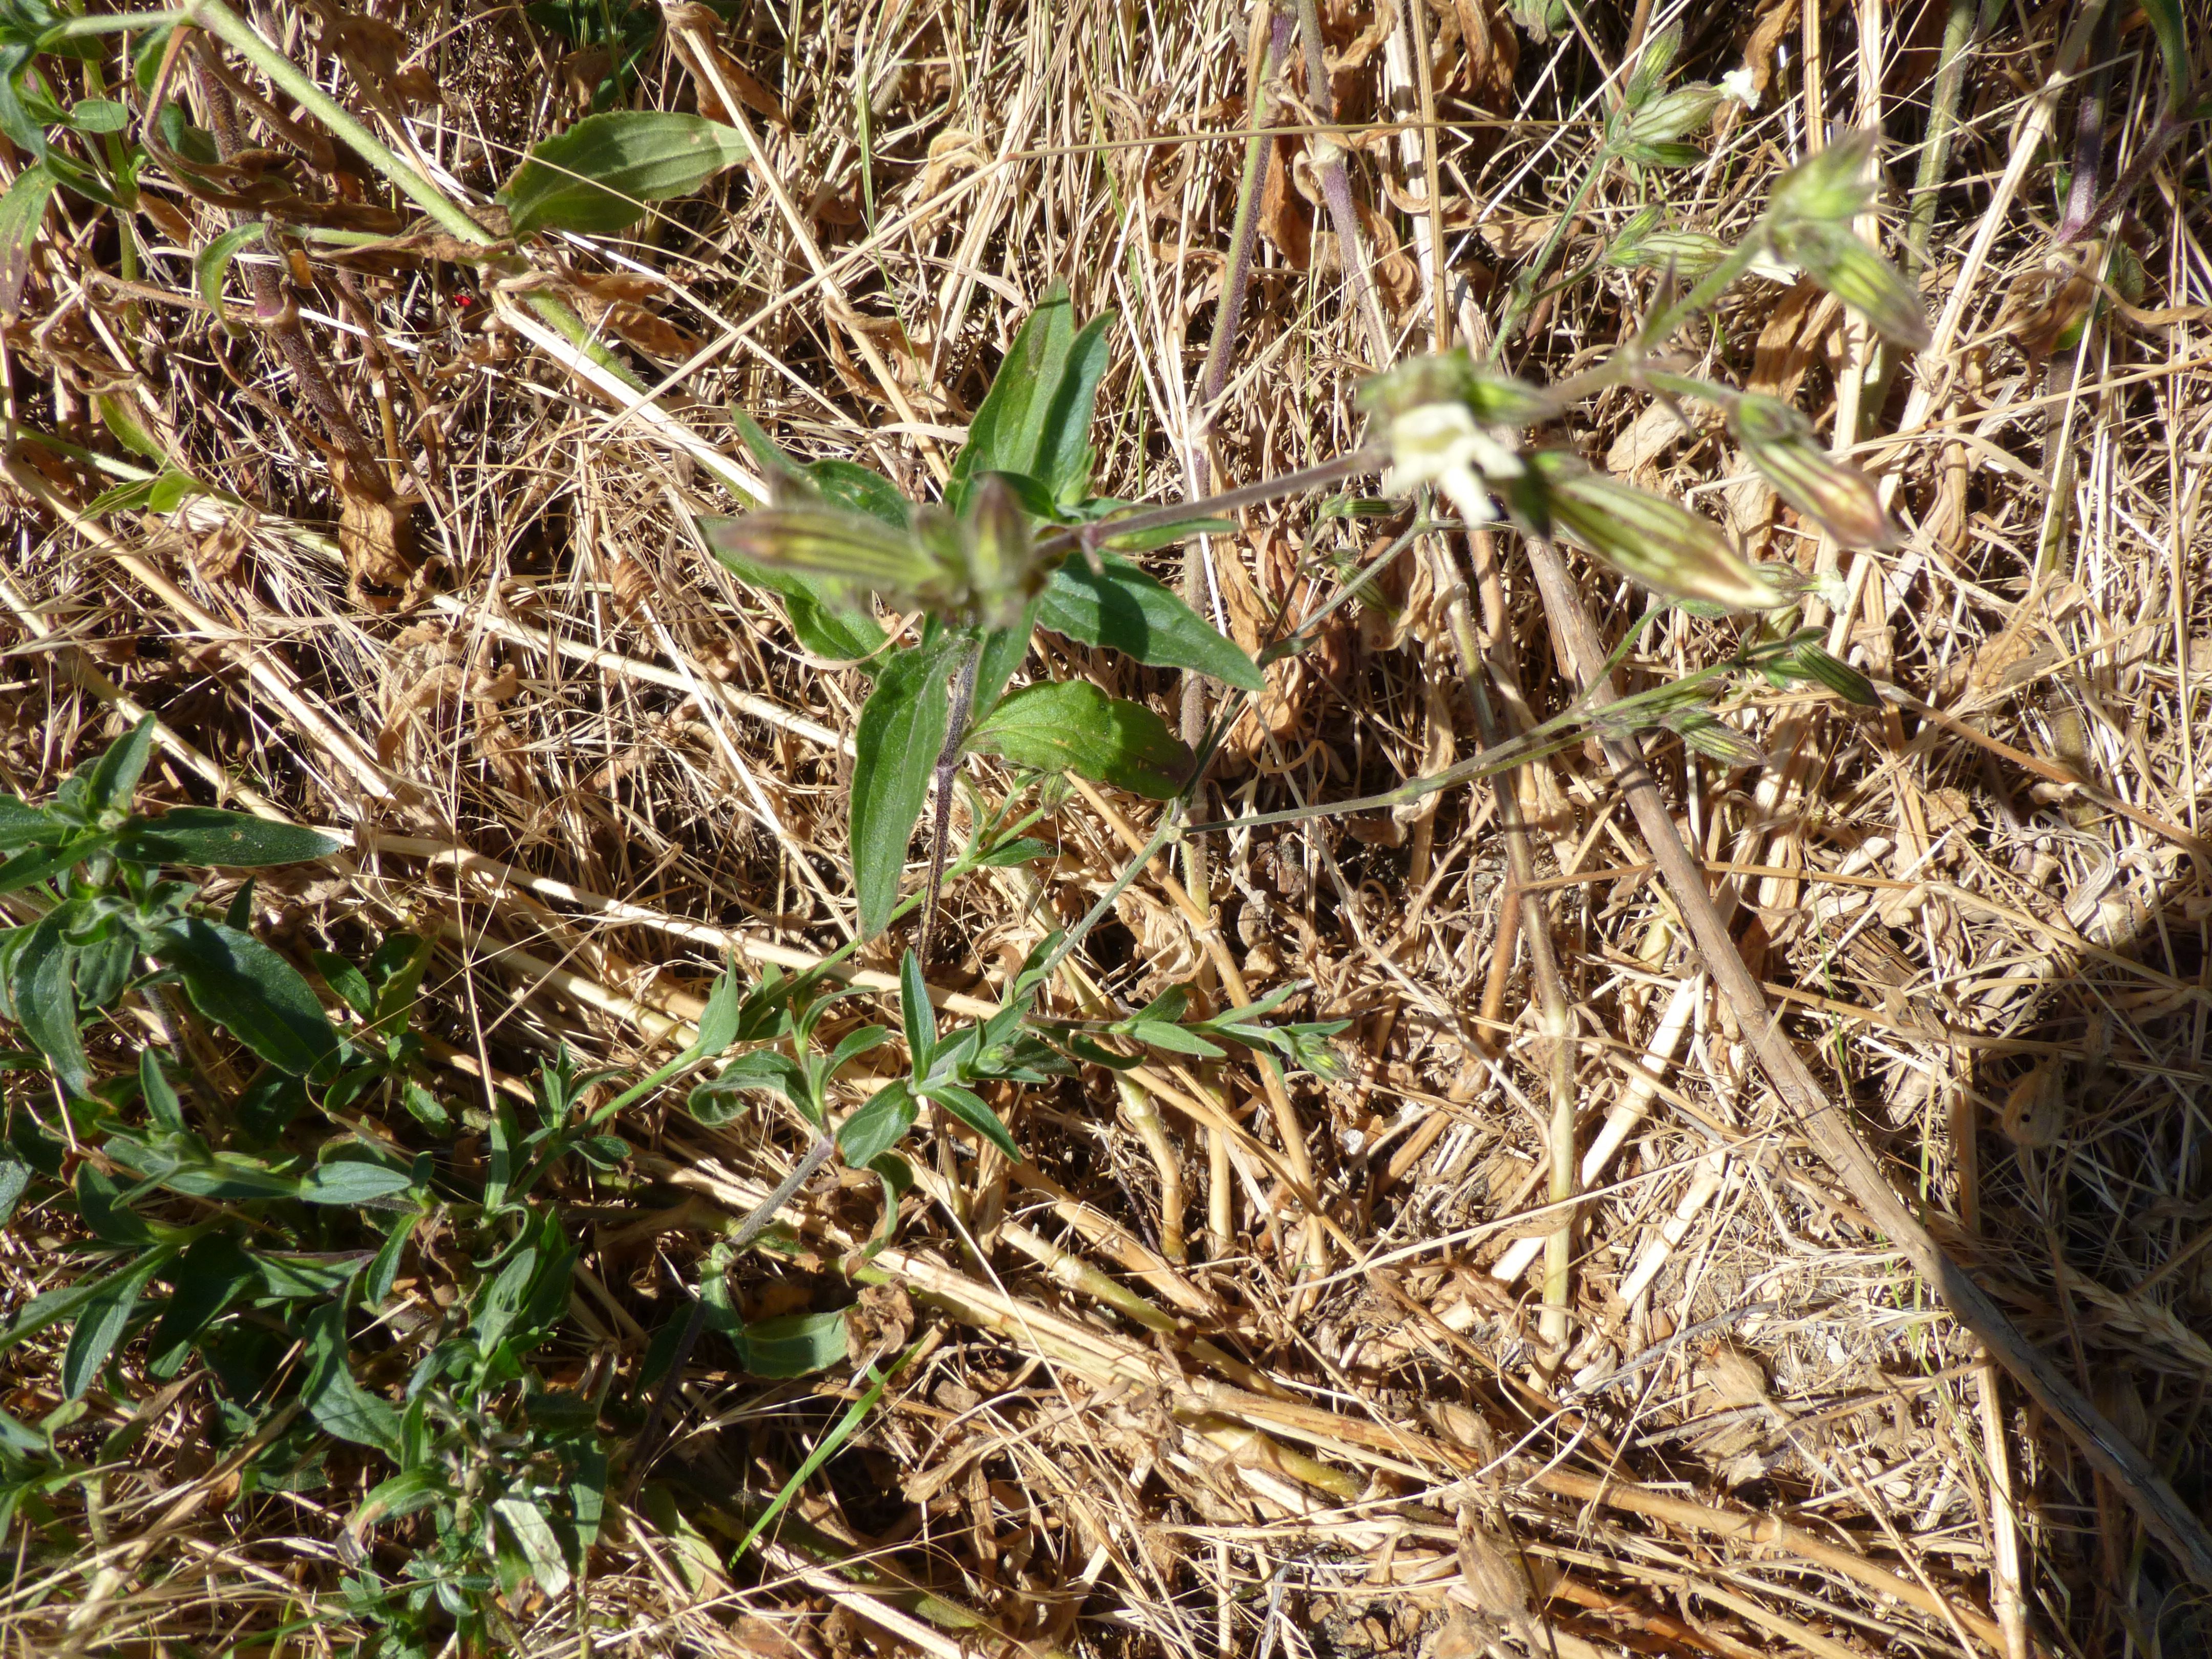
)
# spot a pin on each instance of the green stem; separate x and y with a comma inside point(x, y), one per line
point(1960, 31)
point(1524, 295)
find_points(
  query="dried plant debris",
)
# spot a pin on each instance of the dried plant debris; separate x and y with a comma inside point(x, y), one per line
point(690, 965)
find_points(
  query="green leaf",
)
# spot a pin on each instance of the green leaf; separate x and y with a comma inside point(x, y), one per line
point(36, 864)
point(100, 1325)
point(1035, 419)
point(122, 420)
point(721, 1099)
point(1120, 606)
point(227, 840)
point(115, 776)
point(353, 1181)
point(1073, 726)
point(15, 1180)
point(852, 1046)
point(22, 210)
point(861, 490)
point(2165, 21)
point(879, 1125)
point(971, 1110)
point(534, 1535)
point(208, 1275)
point(22, 824)
point(44, 995)
point(98, 115)
point(1003, 651)
point(159, 1093)
point(376, 1285)
point(171, 488)
point(123, 498)
point(916, 1016)
point(837, 481)
point(1174, 1038)
point(99, 1207)
point(347, 980)
point(718, 1019)
point(902, 729)
point(599, 175)
point(253, 993)
point(796, 1345)
point(211, 265)
point(335, 1400)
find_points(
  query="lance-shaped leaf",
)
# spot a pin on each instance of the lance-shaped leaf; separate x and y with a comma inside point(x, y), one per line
point(902, 729)
point(1663, 546)
point(1779, 442)
point(598, 176)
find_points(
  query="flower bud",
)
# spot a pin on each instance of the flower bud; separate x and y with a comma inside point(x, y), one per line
point(1835, 258)
point(1713, 738)
point(1494, 399)
point(1779, 442)
point(1688, 253)
point(1675, 115)
point(1828, 186)
point(1001, 573)
point(1654, 542)
point(809, 536)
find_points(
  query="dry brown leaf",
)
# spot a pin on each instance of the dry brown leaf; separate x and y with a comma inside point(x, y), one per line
point(222, 552)
point(1767, 34)
point(582, 70)
point(1783, 354)
point(1285, 220)
point(167, 217)
point(954, 150)
point(766, 1640)
point(376, 533)
point(653, 335)
point(1517, 238)
point(1635, 453)
point(1362, 45)
point(748, 88)
point(1475, 51)
point(376, 52)
point(1458, 211)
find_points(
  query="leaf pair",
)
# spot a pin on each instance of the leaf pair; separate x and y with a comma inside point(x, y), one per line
point(837, 532)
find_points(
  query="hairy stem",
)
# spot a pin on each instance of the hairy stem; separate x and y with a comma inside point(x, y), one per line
point(1961, 28)
point(1328, 155)
point(948, 765)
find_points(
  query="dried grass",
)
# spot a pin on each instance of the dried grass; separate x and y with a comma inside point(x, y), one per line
point(589, 762)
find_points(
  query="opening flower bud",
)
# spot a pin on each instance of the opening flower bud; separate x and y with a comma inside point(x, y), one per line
point(1441, 443)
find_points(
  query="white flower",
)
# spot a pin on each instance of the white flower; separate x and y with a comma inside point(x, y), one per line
point(1739, 85)
point(1440, 443)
